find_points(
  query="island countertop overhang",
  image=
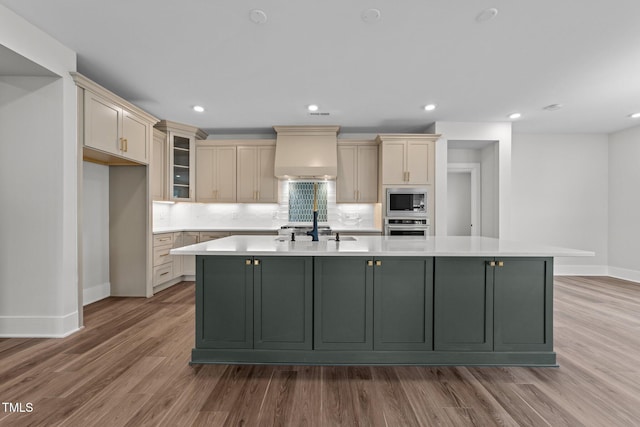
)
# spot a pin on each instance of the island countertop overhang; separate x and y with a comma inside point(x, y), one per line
point(378, 246)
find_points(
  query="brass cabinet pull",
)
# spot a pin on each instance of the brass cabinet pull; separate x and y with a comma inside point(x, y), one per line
point(500, 263)
point(167, 254)
point(121, 144)
point(166, 272)
point(492, 263)
point(126, 145)
point(408, 176)
point(247, 262)
point(378, 263)
point(256, 262)
point(370, 263)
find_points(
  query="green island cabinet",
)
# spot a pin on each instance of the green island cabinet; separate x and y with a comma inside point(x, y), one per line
point(251, 302)
point(490, 304)
point(374, 310)
point(364, 303)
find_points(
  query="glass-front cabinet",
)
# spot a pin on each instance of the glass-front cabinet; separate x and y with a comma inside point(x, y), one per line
point(182, 153)
point(181, 140)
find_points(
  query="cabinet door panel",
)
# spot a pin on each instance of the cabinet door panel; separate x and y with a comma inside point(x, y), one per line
point(158, 167)
point(267, 183)
point(343, 311)
point(403, 301)
point(368, 174)
point(102, 121)
point(393, 162)
point(283, 303)
point(228, 296)
point(463, 304)
point(225, 174)
point(136, 133)
point(205, 174)
point(346, 184)
point(418, 162)
point(523, 304)
point(247, 169)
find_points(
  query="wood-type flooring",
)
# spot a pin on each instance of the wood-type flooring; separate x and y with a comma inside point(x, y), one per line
point(129, 367)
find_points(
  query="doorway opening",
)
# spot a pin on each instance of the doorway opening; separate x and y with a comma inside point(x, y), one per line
point(463, 199)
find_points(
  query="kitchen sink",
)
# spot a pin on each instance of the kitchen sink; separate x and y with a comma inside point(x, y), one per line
point(322, 238)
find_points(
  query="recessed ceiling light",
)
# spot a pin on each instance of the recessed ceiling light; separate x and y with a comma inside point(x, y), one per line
point(635, 115)
point(552, 107)
point(312, 107)
point(487, 15)
point(514, 116)
point(258, 16)
point(371, 15)
point(429, 107)
point(198, 108)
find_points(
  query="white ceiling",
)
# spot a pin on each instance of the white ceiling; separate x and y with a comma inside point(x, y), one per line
point(166, 56)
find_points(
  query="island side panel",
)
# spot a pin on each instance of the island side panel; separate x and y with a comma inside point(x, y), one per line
point(224, 302)
point(463, 304)
point(523, 305)
point(343, 303)
point(403, 303)
point(283, 303)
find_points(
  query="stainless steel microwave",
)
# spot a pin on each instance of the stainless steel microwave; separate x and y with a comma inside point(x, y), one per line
point(406, 202)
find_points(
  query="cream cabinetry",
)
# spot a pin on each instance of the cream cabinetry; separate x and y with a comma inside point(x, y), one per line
point(189, 261)
point(177, 260)
point(181, 142)
point(162, 260)
point(158, 166)
point(111, 128)
point(113, 131)
point(216, 174)
point(357, 180)
point(407, 159)
point(256, 181)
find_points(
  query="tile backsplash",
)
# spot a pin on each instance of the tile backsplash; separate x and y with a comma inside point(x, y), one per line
point(301, 197)
point(267, 215)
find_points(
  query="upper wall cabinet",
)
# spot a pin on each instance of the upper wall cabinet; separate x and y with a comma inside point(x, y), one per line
point(158, 166)
point(256, 181)
point(181, 141)
point(408, 159)
point(216, 174)
point(112, 130)
point(357, 180)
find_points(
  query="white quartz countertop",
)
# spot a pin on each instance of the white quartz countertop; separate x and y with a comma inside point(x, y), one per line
point(248, 245)
point(274, 229)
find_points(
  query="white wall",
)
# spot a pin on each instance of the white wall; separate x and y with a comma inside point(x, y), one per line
point(559, 196)
point(38, 160)
point(489, 186)
point(95, 232)
point(624, 204)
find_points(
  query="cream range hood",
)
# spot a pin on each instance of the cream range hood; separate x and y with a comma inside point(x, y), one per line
point(306, 152)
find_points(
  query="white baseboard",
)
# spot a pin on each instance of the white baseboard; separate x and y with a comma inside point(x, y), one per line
point(38, 326)
point(580, 270)
point(625, 274)
point(96, 293)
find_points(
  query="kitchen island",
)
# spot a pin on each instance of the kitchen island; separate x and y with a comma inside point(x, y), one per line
point(374, 300)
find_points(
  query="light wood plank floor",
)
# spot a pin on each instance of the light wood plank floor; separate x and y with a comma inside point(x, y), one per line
point(129, 367)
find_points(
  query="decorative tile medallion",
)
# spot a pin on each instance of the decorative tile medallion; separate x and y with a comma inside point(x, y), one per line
point(301, 201)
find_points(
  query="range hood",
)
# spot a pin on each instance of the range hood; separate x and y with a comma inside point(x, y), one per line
point(306, 151)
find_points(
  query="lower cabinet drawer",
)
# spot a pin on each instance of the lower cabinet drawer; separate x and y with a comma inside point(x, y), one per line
point(163, 239)
point(162, 273)
point(161, 255)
